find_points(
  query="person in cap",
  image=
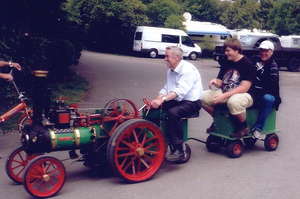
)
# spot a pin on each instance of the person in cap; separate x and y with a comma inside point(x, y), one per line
point(265, 88)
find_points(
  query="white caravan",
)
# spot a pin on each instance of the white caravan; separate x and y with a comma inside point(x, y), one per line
point(291, 41)
point(153, 40)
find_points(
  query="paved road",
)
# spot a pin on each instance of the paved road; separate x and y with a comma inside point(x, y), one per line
point(257, 174)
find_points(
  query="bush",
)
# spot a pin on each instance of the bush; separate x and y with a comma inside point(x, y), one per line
point(207, 46)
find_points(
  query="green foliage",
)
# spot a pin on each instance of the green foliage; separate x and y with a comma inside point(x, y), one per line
point(241, 14)
point(207, 46)
point(159, 10)
point(204, 10)
point(284, 18)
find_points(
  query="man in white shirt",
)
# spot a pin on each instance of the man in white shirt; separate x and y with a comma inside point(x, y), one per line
point(179, 97)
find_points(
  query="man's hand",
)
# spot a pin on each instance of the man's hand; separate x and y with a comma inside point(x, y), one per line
point(6, 76)
point(16, 65)
point(218, 99)
point(157, 102)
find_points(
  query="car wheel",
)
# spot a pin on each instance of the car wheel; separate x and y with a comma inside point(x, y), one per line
point(153, 53)
point(193, 56)
point(294, 65)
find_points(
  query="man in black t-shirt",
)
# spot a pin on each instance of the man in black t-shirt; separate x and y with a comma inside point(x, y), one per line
point(232, 83)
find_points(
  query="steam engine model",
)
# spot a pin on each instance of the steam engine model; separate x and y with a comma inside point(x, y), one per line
point(134, 151)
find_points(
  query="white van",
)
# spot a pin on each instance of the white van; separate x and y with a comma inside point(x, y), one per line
point(154, 41)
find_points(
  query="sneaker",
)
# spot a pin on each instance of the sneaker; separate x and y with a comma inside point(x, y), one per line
point(175, 156)
point(239, 132)
point(256, 134)
point(211, 128)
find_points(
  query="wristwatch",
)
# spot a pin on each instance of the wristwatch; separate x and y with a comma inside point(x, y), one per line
point(164, 98)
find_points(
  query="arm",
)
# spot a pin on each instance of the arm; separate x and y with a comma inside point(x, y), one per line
point(6, 76)
point(5, 63)
point(159, 101)
point(242, 88)
point(215, 82)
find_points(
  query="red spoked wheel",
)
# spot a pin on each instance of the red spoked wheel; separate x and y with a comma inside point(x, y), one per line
point(271, 142)
point(136, 150)
point(16, 163)
point(235, 148)
point(116, 112)
point(44, 176)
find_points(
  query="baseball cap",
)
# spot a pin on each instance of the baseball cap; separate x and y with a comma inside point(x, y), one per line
point(266, 45)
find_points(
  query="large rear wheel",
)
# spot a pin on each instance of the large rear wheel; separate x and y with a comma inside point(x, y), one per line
point(44, 176)
point(136, 150)
point(116, 112)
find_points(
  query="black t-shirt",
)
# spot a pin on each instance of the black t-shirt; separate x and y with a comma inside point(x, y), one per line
point(233, 73)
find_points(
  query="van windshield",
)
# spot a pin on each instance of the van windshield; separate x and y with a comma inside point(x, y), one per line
point(187, 41)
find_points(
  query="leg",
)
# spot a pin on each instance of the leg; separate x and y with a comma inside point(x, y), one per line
point(266, 105)
point(175, 113)
point(237, 105)
point(174, 126)
point(208, 106)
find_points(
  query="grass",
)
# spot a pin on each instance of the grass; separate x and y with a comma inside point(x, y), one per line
point(74, 88)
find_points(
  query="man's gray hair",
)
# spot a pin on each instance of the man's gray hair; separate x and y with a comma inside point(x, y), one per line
point(176, 51)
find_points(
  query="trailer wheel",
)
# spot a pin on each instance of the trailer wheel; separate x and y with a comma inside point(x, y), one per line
point(136, 150)
point(249, 142)
point(16, 163)
point(153, 53)
point(235, 148)
point(294, 65)
point(193, 56)
point(271, 142)
point(116, 112)
point(44, 176)
point(213, 143)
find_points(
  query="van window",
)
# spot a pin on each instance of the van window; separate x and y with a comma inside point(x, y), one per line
point(187, 41)
point(170, 39)
point(138, 36)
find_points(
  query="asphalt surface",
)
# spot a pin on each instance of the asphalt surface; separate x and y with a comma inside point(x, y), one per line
point(257, 174)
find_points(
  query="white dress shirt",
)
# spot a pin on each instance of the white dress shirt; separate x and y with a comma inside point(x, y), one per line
point(185, 81)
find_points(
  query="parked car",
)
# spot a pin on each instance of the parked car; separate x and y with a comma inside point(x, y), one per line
point(284, 57)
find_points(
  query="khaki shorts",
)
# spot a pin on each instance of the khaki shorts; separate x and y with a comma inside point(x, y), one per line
point(236, 104)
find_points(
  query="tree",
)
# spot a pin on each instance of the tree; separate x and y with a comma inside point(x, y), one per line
point(284, 18)
point(242, 14)
point(159, 10)
point(204, 10)
point(264, 9)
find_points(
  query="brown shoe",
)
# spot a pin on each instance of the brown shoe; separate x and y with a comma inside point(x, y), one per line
point(211, 128)
point(239, 132)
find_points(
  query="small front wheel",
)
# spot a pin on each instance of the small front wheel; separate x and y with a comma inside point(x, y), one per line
point(235, 148)
point(271, 142)
point(16, 163)
point(44, 176)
